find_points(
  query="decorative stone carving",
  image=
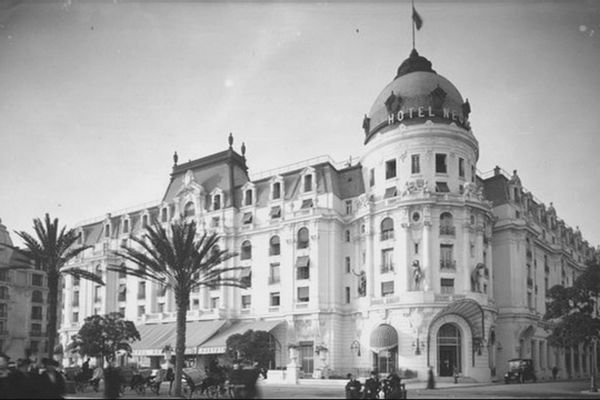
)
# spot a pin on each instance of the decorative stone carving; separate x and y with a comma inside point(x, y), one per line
point(362, 284)
point(479, 277)
point(417, 276)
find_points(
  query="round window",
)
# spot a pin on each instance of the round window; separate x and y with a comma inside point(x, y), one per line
point(416, 216)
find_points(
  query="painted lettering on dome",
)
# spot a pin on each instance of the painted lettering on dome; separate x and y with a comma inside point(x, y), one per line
point(425, 112)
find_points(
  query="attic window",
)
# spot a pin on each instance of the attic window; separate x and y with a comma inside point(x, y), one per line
point(275, 212)
point(276, 191)
point(308, 203)
point(217, 202)
point(189, 210)
point(248, 197)
point(247, 218)
point(107, 230)
point(308, 185)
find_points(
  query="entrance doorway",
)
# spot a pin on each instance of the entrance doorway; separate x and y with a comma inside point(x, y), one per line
point(449, 350)
point(307, 355)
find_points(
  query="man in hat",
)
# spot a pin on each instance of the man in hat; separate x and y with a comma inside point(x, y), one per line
point(353, 387)
point(372, 386)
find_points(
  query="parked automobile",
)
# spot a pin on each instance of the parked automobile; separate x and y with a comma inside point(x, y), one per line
point(520, 370)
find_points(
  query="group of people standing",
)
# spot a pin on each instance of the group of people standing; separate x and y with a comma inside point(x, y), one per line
point(24, 380)
point(374, 388)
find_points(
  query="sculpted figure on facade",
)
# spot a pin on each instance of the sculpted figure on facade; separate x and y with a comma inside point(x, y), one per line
point(417, 275)
point(478, 277)
point(362, 284)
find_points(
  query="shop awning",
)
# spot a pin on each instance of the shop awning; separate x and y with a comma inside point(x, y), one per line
point(308, 203)
point(217, 344)
point(390, 192)
point(384, 337)
point(154, 337)
point(468, 309)
point(198, 332)
point(302, 261)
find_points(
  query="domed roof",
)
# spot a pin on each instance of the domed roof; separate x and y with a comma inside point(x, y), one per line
point(416, 94)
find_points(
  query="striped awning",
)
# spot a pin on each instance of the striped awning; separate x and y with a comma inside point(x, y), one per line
point(154, 337)
point(218, 343)
point(302, 261)
point(468, 309)
point(384, 337)
point(390, 192)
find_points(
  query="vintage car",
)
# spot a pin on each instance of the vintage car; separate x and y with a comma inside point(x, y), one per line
point(520, 370)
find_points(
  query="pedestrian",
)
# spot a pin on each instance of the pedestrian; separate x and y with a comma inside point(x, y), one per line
point(430, 379)
point(96, 377)
point(170, 378)
point(353, 387)
point(372, 386)
point(6, 379)
point(554, 372)
point(455, 373)
point(23, 388)
point(112, 383)
point(51, 382)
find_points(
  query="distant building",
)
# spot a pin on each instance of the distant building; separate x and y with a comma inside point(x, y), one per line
point(23, 306)
point(402, 259)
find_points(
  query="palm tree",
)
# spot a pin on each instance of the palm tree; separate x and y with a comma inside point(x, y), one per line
point(175, 259)
point(50, 250)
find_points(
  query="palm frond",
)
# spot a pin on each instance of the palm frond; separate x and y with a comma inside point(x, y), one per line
point(82, 273)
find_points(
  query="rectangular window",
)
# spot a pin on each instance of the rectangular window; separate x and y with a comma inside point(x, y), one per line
point(348, 207)
point(3, 310)
point(37, 280)
point(372, 177)
point(214, 302)
point(141, 290)
point(387, 260)
point(36, 312)
point(122, 311)
point(446, 256)
point(161, 307)
point(348, 265)
point(97, 294)
point(246, 301)
point(390, 169)
point(440, 164)
point(247, 218)
point(347, 294)
point(75, 317)
point(415, 164)
point(302, 267)
point(107, 231)
point(4, 276)
point(248, 197)
point(390, 192)
point(416, 248)
point(447, 286)
point(274, 273)
point(75, 301)
point(126, 226)
point(246, 277)
point(306, 203)
point(308, 183)
point(473, 173)
point(275, 299)
point(141, 310)
point(303, 296)
point(196, 304)
point(276, 191)
point(275, 212)
point(387, 288)
point(461, 167)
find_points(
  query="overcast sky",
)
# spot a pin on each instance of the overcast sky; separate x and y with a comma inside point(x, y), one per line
point(96, 96)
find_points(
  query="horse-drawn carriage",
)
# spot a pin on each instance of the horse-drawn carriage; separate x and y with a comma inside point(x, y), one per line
point(221, 383)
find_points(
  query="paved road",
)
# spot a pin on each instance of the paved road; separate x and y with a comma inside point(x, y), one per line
point(561, 389)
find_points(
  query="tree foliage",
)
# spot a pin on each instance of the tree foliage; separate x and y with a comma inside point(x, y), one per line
point(571, 311)
point(252, 346)
point(49, 250)
point(104, 335)
point(179, 257)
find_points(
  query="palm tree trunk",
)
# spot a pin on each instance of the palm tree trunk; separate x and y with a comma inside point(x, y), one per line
point(52, 311)
point(182, 300)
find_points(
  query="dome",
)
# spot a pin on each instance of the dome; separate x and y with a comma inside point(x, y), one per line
point(416, 94)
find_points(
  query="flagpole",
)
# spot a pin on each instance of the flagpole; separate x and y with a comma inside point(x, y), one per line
point(413, 22)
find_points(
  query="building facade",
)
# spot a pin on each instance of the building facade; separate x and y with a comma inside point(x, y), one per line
point(403, 259)
point(23, 306)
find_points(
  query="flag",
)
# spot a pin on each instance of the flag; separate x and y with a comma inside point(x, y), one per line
point(417, 19)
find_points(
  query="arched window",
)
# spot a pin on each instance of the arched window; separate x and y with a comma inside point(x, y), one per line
point(37, 297)
point(387, 229)
point(189, 209)
point(303, 239)
point(274, 246)
point(246, 250)
point(446, 224)
point(384, 347)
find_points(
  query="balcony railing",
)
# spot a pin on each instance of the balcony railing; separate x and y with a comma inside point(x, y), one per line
point(387, 235)
point(75, 304)
point(98, 299)
point(387, 268)
point(449, 230)
point(274, 279)
point(448, 264)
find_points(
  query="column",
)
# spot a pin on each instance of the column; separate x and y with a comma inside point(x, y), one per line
point(429, 282)
point(370, 259)
point(404, 256)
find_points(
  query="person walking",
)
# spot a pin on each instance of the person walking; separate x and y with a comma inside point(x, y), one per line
point(455, 373)
point(430, 379)
point(52, 383)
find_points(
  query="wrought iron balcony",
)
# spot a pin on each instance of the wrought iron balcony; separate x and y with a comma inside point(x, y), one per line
point(387, 268)
point(274, 279)
point(448, 264)
point(387, 235)
point(449, 230)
